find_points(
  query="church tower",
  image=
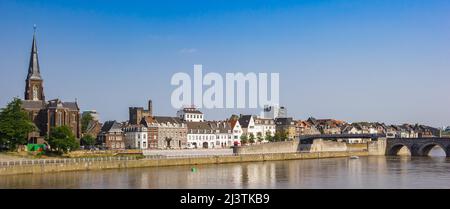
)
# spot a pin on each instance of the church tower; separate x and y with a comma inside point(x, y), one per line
point(34, 87)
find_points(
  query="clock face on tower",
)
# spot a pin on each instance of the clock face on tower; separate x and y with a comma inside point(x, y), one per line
point(35, 93)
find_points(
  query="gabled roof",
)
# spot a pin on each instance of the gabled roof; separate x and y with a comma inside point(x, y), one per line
point(166, 119)
point(303, 123)
point(222, 126)
point(160, 119)
point(198, 126)
point(31, 104)
point(244, 120)
point(91, 125)
point(284, 121)
point(56, 103)
point(233, 123)
point(111, 126)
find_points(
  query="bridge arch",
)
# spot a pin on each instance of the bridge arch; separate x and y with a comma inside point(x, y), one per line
point(395, 149)
point(425, 149)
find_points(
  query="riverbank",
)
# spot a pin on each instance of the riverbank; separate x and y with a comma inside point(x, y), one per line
point(142, 163)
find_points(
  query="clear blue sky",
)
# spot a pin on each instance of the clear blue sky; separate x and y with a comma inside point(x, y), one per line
point(356, 60)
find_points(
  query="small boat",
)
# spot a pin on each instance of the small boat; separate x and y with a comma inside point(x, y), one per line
point(354, 157)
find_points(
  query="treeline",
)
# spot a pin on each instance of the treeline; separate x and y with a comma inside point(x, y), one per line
point(277, 137)
point(15, 126)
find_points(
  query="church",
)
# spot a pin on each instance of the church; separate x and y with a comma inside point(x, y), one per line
point(46, 114)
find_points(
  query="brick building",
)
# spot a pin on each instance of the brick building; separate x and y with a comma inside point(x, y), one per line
point(46, 115)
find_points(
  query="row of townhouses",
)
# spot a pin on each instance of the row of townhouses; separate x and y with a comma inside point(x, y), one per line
point(189, 129)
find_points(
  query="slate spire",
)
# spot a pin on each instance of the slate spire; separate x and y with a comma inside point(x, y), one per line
point(33, 69)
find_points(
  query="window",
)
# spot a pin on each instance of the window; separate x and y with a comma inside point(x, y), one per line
point(60, 118)
point(35, 93)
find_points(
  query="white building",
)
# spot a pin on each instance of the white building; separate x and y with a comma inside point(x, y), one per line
point(200, 135)
point(237, 132)
point(274, 111)
point(190, 114)
point(263, 126)
point(208, 135)
point(247, 123)
point(259, 127)
point(223, 132)
point(136, 137)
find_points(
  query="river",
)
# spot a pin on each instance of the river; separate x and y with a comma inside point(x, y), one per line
point(365, 172)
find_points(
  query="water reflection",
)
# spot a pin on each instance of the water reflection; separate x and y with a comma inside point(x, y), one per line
point(366, 172)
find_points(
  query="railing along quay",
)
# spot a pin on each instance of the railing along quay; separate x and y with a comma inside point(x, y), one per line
point(98, 159)
point(124, 158)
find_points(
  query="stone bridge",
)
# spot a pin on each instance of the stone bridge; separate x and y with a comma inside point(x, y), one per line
point(417, 146)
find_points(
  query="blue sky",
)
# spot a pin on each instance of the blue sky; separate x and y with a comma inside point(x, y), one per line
point(385, 61)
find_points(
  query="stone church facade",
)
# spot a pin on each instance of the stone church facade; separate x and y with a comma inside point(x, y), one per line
point(46, 114)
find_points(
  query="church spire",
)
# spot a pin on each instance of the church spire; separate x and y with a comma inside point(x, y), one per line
point(34, 88)
point(33, 69)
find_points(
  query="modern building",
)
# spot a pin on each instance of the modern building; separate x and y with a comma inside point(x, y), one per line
point(190, 114)
point(274, 111)
point(111, 136)
point(93, 113)
point(46, 115)
point(136, 137)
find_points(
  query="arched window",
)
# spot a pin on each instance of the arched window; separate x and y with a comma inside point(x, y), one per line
point(35, 93)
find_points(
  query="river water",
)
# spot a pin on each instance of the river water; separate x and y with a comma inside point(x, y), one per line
point(365, 172)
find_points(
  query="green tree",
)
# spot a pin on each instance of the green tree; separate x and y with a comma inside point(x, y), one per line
point(14, 125)
point(283, 135)
point(62, 139)
point(259, 138)
point(85, 120)
point(252, 138)
point(269, 137)
point(244, 139)
point(277, 137)
point(88, 140)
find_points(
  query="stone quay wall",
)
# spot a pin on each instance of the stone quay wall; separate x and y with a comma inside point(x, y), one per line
point(99, 165)
point(273, 147)
point(318, 145)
